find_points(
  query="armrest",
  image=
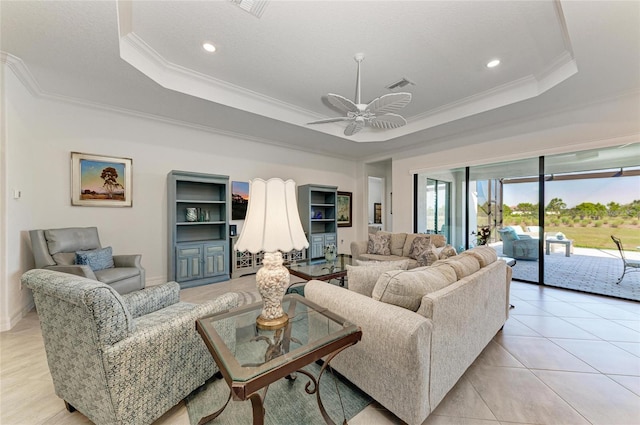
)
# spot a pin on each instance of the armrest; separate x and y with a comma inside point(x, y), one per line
point(78, 270)
point(152, 299)
point(127, 260)
point(358, 248)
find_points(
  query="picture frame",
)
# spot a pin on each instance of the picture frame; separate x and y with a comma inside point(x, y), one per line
point(239, 200)
point(377, 213)
point(344, 209)
point(233, 230)
point(101, 181)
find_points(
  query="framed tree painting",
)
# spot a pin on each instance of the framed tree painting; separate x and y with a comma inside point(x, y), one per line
point(100, 181)
point(344, 209)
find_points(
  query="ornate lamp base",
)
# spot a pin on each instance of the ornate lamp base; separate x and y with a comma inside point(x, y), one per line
point(271, 324)
point(272, 281)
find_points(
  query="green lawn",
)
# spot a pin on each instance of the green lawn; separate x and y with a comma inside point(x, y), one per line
point(599, 237)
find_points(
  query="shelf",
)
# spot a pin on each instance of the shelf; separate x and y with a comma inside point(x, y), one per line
point(322, 219)
point(195, 223)
point(195, 201)
point(196, 241)
point(322, 205)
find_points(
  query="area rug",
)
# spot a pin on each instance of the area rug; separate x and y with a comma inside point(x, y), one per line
point(286, 402)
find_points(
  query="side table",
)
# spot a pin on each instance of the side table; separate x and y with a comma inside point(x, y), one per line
point(261, 357)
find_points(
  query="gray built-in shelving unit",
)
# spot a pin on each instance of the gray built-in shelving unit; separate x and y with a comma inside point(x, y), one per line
point(198, 250)
point(317, 206)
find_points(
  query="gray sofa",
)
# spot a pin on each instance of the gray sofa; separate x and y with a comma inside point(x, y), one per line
point(55, 249)
point(399, 247)
point(421, 329)
point(122, 360)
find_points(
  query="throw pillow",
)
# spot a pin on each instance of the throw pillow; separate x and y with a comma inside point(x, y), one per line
point(406, 288)
point(428, 256)
point(447, 251)
point(379, 244)
point(97, 259)
point(418, 246)
point(362, 279)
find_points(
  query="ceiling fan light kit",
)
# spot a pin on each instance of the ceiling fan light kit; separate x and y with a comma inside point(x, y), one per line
point(378, 113)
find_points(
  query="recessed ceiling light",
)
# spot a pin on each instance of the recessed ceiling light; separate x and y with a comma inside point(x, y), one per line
point(493, 63)
point(209, 47)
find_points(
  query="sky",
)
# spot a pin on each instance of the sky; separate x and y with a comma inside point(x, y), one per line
point(622, 190)
point(90, 174)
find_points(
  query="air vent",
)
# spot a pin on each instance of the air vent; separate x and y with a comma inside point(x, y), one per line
point(255, 7)
point(400, 84)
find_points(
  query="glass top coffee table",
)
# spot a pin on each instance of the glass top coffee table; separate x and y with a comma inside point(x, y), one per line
point(321, 269)
point(260, 357)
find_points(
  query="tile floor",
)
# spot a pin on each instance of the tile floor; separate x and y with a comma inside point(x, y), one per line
point(562, 358)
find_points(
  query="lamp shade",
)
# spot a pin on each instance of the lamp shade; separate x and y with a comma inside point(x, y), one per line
point(272, 222)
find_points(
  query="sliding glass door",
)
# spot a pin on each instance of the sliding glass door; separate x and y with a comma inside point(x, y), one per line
point(554, 215)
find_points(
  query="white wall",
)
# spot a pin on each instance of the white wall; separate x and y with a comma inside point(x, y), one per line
point(42, 134)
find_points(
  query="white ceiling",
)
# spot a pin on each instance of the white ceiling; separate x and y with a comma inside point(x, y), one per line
point(269, 75)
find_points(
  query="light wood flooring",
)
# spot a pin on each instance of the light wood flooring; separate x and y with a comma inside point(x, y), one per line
point(562, 358)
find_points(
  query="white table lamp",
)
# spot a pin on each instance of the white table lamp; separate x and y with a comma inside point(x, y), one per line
point(272, 225)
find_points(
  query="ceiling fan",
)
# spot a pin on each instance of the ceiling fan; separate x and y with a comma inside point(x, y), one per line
point(378, 113)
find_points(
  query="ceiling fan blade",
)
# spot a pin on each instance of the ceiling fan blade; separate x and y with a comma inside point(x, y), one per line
point(342, 103)
point(329, 120)
point(389, 103)
point(355, 126)
point(388, 121)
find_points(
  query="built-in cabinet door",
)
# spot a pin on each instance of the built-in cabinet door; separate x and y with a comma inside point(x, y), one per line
point(317, 246)
point(214, 260)
point(188, 262)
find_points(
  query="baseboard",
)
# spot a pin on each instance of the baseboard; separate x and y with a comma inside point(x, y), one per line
point(8, 323)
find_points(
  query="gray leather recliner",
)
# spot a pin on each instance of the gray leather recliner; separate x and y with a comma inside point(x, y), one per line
point(55, 249)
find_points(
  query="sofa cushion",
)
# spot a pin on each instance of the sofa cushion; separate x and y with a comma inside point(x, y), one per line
point(463, 264)
point(97, 259)
point(64, 258)
point(406, 288)
point(408, 243)
point(397, 242)
point(402, 264)
point(438, 240)
point(375, 258)
point(379, 243)
point(116, 274)
point(72, 239)
point(362, 279)
point(485, 255)
point(446, 252)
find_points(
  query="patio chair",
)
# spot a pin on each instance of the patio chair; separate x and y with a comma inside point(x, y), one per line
point(520, 247)
point(631, 265)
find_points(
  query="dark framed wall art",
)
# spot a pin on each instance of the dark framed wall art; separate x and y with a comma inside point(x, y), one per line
point(345, 209)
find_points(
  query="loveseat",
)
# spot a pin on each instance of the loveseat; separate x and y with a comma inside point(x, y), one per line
point(387, 246)
point(421, 328)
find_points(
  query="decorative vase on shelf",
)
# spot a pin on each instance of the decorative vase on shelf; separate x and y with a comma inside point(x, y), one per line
point(192, 214)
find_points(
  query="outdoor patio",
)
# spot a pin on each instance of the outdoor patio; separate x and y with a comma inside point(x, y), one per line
point(588, 270)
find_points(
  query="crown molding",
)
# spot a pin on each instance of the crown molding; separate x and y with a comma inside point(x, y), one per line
point(21, 71)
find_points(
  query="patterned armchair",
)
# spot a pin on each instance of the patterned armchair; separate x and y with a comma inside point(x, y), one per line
point(55, 249)
point(520, 247)
point(122, 359)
